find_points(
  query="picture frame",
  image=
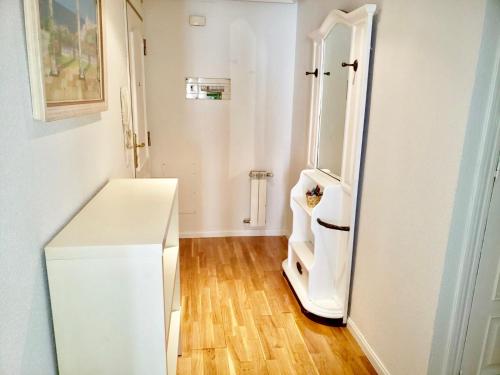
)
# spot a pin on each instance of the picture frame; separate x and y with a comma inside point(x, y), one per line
point(65, 42)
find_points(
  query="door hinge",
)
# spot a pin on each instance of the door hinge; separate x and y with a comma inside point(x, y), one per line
point(497, 169)
point(144, 44)
point(149, 139)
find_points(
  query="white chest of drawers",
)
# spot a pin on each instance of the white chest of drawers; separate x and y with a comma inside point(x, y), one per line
point(114, 282)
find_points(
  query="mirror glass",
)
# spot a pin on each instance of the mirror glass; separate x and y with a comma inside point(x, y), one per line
point(337, 47)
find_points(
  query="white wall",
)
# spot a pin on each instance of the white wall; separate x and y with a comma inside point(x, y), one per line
point(469, 180)
point(212, 145)
point(47, 172)
point(424, 62)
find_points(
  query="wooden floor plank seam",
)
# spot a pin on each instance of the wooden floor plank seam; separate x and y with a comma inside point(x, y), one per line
point(240, 317)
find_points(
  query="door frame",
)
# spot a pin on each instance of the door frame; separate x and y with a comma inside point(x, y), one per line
point(129, 5)
point(477, 213)
point(130, 148)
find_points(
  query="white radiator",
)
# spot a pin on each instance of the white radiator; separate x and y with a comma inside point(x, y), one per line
point(258, 198)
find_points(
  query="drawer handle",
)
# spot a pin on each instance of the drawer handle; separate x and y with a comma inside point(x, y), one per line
point(299, 267)
point(333, 226)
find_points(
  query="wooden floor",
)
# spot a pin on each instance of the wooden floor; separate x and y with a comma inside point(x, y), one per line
point(239, 315)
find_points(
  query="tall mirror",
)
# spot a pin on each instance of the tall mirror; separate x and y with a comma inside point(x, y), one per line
point(337, 47)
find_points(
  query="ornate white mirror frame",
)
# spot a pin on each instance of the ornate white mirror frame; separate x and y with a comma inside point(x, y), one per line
point(360, 22)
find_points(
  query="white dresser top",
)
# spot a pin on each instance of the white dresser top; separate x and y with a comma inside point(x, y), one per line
point(125, 213)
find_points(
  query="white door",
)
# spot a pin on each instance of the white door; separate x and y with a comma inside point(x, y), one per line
point(482, 346)
point(136, 52)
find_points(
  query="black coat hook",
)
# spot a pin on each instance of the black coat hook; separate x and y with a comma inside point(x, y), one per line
point(315, 73)
point(354, 65)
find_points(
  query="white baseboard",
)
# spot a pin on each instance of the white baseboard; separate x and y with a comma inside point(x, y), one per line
point(234, 233)
point(367, 349)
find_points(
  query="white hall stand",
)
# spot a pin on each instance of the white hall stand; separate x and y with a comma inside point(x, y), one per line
point(318, 267)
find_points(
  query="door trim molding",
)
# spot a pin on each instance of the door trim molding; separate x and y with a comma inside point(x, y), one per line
point(477, 213)
point(134, 9)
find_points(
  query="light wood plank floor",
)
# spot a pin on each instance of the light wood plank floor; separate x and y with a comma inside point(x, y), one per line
point(239, 315)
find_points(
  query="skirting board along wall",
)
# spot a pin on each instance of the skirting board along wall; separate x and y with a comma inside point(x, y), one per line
point(235, 233)
point(367, 349)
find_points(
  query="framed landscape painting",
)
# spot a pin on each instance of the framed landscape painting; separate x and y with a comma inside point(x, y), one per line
point(65, 45)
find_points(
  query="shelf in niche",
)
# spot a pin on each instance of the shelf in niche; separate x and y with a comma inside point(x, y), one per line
point(302, 202)
point(305, 252)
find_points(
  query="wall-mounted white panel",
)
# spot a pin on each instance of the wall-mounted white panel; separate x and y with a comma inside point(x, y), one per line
point(208, 88)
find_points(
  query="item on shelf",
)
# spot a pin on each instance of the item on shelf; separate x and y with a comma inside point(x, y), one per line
point(313, 196)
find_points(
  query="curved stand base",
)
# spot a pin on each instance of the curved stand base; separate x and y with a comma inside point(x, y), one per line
point(330, 317)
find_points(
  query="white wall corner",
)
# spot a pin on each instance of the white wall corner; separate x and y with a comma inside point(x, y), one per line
point(367, 349)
